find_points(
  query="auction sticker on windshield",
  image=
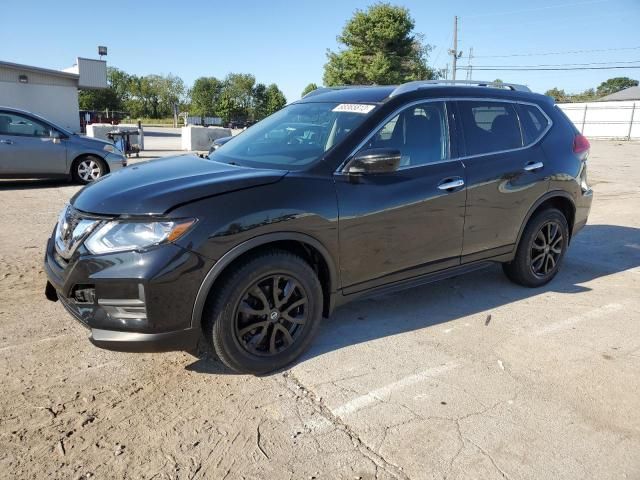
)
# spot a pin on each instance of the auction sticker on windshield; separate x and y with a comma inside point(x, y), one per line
point(354, 108)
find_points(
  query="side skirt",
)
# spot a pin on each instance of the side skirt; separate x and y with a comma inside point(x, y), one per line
point(341, 299)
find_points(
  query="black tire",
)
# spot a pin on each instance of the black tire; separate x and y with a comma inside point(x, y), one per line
point(239, 305)
point(88, 169)
point(538, 259)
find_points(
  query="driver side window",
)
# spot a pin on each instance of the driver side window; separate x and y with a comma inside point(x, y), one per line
point(419, 132)
point(19, 125)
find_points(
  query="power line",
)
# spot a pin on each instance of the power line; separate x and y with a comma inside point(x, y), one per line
point(588, 64)
point(557, 53)
point(537, 9)
point(507, 69)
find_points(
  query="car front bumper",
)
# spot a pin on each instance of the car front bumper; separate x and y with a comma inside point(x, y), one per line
point(130, 301)
point(115, 161)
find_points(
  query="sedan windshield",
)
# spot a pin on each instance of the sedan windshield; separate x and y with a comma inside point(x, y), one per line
point(293, 137)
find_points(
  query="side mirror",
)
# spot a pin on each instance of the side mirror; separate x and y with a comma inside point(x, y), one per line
point(374, 161)
point(56, 136)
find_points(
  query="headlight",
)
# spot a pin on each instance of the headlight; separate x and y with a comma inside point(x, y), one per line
point(112, 149)
point(118, 236)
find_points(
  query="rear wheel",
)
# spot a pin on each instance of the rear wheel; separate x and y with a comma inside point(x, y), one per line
point(541, 249)
point(266, 313)
point(88, 169)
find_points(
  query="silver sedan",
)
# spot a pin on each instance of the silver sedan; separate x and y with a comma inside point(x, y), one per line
point(31, 146)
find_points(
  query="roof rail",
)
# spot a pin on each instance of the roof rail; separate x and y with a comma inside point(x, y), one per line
point(418, 84)
point(320, 90)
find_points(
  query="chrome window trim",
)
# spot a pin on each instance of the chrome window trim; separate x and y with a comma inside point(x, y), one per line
point(341, 169)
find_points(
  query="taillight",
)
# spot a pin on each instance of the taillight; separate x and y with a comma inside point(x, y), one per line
point(581, 146)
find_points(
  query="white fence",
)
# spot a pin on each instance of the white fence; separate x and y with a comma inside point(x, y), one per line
point(605, 119)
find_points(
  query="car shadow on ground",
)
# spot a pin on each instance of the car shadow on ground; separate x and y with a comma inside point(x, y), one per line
point(33, 183)
point(599, 251)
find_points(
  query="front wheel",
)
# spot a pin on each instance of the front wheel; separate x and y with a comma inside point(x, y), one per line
point(266, 313)
point(88, 169)
point(541, 249)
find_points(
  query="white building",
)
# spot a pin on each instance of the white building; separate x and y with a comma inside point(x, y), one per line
point(52, 94)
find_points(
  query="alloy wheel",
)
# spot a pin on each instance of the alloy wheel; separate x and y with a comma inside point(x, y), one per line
point(271, 315)
point(546, 249)
point(89, 170)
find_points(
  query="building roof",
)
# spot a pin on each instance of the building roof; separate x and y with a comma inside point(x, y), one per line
point(631, 93)
point(43, 71)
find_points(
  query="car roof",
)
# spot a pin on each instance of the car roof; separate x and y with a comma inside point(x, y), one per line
point(17, 110)
point(426, 89)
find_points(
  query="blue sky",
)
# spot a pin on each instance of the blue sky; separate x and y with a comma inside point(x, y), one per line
point(285, 41)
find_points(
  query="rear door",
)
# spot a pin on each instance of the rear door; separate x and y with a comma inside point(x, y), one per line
point(28, 147)
point(403, 224)
point(505, 174)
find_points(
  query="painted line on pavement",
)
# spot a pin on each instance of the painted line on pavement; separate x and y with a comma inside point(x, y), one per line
point(594, 314)
point(379, 394)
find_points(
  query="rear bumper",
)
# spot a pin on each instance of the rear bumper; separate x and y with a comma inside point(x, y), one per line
point(583, 207)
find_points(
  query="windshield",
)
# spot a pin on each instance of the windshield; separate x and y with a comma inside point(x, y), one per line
point(294, 136)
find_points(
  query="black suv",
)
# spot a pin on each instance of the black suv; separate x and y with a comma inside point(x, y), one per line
point(345, 193)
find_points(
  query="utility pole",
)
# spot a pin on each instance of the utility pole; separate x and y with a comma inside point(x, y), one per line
point(469, 66)
point(454, 51)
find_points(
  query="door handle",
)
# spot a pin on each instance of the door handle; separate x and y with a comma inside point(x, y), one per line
point(7, 142)
point(529, 167)
point(450, 183)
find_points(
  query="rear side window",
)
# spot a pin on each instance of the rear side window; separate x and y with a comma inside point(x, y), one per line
point(489, 126)
point(533, 122)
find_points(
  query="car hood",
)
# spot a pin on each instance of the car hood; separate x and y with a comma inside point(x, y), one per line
point(94, 142)
point(158, 186)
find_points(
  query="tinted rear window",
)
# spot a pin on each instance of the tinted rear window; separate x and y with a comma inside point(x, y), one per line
point(489, 126)
point(533, 122)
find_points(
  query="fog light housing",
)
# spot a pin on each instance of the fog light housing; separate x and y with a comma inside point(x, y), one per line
point(84, 294)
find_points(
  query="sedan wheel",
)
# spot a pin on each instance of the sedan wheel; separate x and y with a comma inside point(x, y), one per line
point(88, 170)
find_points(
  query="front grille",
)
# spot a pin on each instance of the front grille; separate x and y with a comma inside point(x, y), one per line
point(73, 227)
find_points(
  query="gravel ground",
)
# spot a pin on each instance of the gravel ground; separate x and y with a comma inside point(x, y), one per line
point(471, 378)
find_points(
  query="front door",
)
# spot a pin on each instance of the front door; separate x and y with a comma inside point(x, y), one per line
point(27, 147)
point(407, 223)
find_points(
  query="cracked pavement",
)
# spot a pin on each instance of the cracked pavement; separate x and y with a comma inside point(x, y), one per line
point(469, 378)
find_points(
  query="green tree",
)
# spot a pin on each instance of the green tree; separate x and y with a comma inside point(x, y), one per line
point(275, 99)
point(99, 100)
point(171, 92)
point(236, 99)
point(585, 96)
point(205, 96)
point(113, 97)
point(380, 47)
point(260, 101)
point(309, 88)
point(614, 85)
point(557, 95)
